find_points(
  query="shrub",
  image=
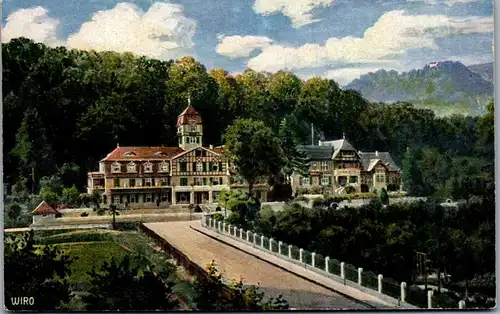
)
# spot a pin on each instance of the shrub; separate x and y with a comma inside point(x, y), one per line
point(100, 212)
point(123, 226)
point(317, 202)
point(58, 215)
point(84, 214)
point(350, 189)
point(218, 216)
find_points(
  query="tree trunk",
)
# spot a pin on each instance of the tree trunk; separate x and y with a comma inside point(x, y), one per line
point(250, 188)
point(114, 221)
point(439, 279)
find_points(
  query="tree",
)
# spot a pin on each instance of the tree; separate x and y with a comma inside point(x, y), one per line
point(70, 196)
point(20, 189)
point(122, 287)
point(384, 197)
point(38, 272)
point(253, 149)
point(294, 160)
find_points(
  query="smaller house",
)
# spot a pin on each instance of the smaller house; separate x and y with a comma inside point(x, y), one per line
point(43, 211)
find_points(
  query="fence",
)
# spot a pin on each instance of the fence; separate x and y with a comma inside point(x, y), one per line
point(384, 288)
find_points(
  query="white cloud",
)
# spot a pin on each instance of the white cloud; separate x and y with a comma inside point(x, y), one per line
point(393, 34)
point(447, 2)
point(33, 23)
point(163, 32)
point(241, 46)
point(299, 11)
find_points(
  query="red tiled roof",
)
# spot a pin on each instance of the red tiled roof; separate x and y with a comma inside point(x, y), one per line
point(189, 115)
point(136, 153)
point(44, 209)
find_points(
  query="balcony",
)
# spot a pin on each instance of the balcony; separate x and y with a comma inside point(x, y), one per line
point(138, 186)
point(347, 172)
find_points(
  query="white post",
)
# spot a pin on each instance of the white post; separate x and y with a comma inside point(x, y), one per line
point(203, 220)
point(301, 251)
point(248, 236)
point(313, 257)
point(262, 241)
point(290, 252)
point(342, 273)
point(271, 244)
point(279, 247)
point(380, 277)
point(235, 231)
point(224, 227)
point(327, 260)
point(241, 233)
point(210, 222)
point(219, 225)
point(403, 292)
point(360, 271)
point(461, 304)
point(429, 299)
point(254, 239)
point(229, 229)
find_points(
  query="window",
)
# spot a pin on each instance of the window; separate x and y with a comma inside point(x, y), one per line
point(116, 183)
point(326, 180)
point(199, 167)
point(313, 165)
point(221, 180)
point(197, 140)
point(198, 181)
point(380, 178)
point(148, 167)
point(305, 180)
point(164, 166)
point(132, 198)
point(183, 166)
point(193, 128)
point(324, 165)
point(129, 154)
point(215, 167)
point(131, 167)
point(180, 140)
point(131, 182)
point(184, 181)
point(217, 181)
point(164, 181)
point(116, 199)
point(116, 167)
point(204, 181)
point(149, 197)
point(149, 181)
point(353, 179)
point(164, 197)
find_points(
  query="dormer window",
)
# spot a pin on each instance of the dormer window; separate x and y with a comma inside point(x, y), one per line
point(131, 167)
point(116, 167)
point(148, 167)
point(160, 154)
point(129, 154)
point(164, 167)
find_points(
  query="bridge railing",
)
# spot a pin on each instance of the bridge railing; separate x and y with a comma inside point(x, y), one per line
point(374, 284)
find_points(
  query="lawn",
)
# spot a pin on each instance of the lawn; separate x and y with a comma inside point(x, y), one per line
point(88, 254)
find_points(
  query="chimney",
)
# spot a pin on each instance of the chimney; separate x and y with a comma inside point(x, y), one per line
point(376, 153)
point(211, 146)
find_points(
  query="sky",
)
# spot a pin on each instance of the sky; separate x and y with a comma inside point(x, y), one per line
point(336, 39)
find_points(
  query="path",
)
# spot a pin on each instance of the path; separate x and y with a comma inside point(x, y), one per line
point(234, 263)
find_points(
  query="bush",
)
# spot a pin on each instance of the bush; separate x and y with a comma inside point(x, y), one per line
point(84, 214)
point(100, 212)
point(58, 215)
point(124, 226)
point(218, 216)
point(317, 202)
point(350, 189)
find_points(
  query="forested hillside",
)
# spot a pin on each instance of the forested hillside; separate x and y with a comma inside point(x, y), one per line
point(447, 87)
point(66, 109)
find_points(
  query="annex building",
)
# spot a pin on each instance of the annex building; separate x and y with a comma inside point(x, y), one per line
point(336, 165)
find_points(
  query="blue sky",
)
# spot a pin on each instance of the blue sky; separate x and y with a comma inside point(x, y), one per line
point(338, 39)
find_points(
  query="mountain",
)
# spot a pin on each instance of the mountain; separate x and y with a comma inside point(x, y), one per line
point(447, 87)
point(484, 69)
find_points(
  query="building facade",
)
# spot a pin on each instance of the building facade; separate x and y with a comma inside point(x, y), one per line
point(336, 165)
point(156, 177)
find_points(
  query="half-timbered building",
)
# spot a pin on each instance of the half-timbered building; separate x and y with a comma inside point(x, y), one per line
point(136, 177)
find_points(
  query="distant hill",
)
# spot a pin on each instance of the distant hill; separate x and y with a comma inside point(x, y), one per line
point(484, 69)
point(447, 87)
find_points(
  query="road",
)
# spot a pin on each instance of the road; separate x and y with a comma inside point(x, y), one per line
point(300, 293)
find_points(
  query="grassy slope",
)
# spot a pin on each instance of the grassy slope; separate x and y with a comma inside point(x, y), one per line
point(93, 247)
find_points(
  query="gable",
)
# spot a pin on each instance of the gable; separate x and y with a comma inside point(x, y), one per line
point(197, 154)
